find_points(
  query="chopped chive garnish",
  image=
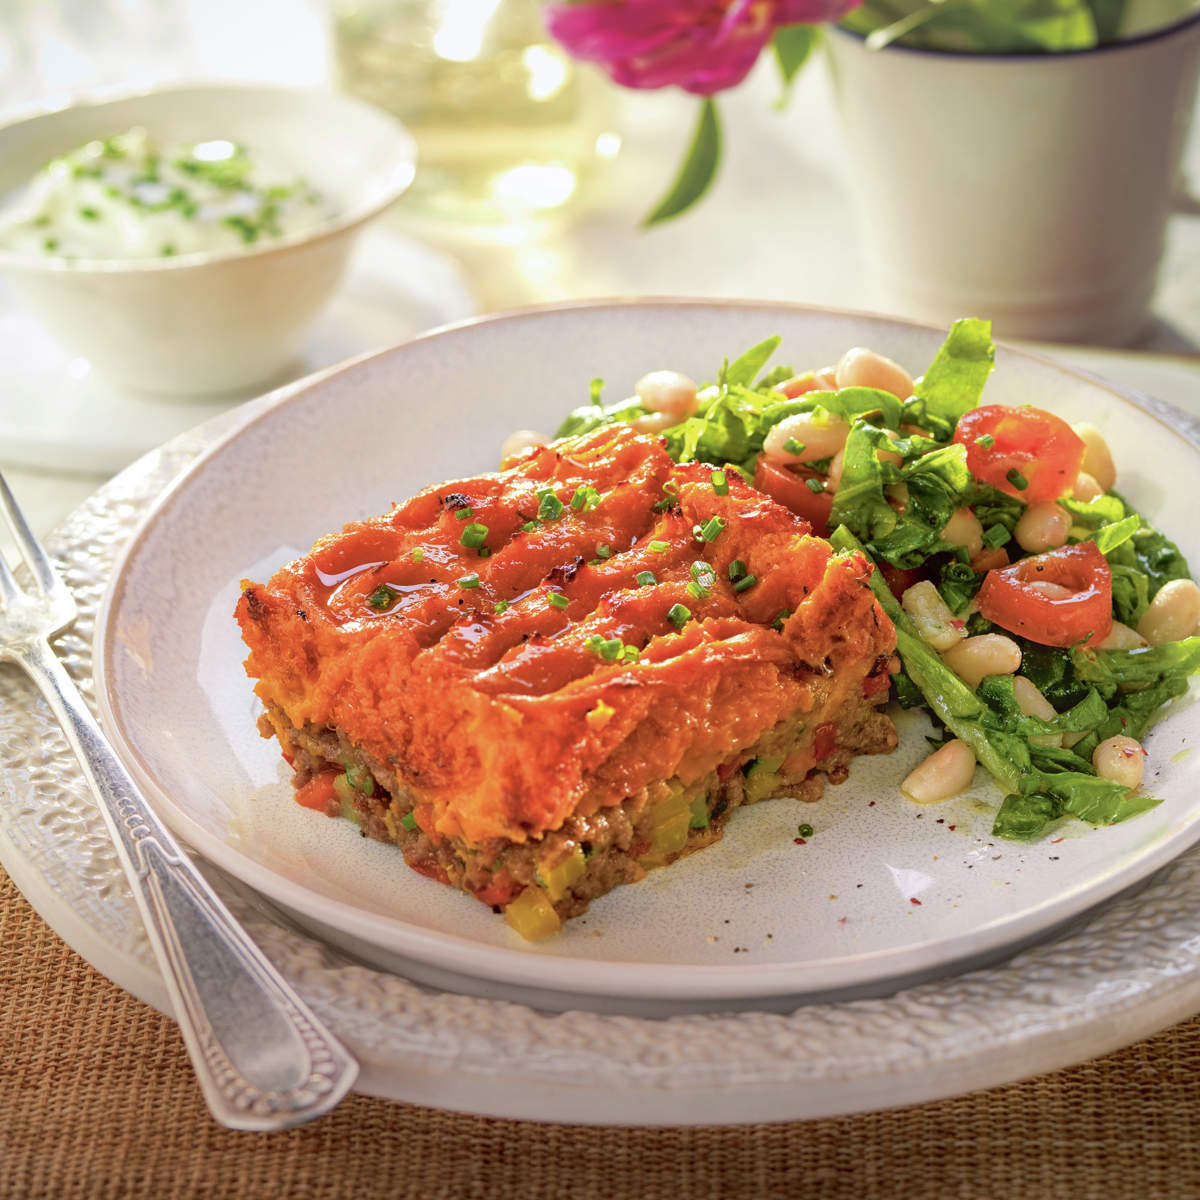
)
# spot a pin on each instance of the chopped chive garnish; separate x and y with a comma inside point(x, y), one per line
point(995, 535)
point(90, 214)
point(657, 547)
point(779, 620)
point(168, 250)
point(464, 514)
point(474, 535)
point(804, 831)
point(558, 600)
point(793, 447)
point(670, 496)
point(500, 606)
point(747, 582)
point(698, 591)
point(720, 484)
point(469, 581)
point(360, 779)
point(815, 486)
point(611, 649)
point(678, 615)
point(604, 551)
point(529, 526)
point(711, 529)
point(484, 552)
point(585, 498)
point(737, 569)
point(550, 507)
point(50, 245)
point(986, 441)
point(645, 579)
point(382, 598)
point(1016, 479)
point(408, 821)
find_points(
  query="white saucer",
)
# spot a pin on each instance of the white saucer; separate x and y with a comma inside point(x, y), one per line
point(57, 414)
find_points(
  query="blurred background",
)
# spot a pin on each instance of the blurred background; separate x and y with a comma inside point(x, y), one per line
point(534, 176)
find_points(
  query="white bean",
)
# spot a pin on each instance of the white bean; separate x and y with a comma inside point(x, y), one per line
point(985, 654)
point(1097, 457)
point(521, 440)
point(932, 616)
point(836, 463)
point(654, 422)
point(964, 529)
point(1120, 759)
point(861, 367)
point(1086, 488)
point(1033, 704)
point(667, 392)
point(946, 772)
point(798, 385)
point(1041, 527)
point(1122, 638)
point(820, 436)
point(1174, 613)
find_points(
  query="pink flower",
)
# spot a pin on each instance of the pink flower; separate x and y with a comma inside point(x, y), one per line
point(702, 46)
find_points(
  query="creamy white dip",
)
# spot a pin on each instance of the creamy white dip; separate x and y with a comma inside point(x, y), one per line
point(126, 197)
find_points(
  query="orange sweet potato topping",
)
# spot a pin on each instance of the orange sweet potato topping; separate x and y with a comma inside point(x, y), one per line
point(494, 703)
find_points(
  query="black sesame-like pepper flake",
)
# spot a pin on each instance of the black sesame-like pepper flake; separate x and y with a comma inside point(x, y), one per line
point(456, 500)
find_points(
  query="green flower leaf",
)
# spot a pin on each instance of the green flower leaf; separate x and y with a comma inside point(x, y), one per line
point(792, 45)
point(698, 169)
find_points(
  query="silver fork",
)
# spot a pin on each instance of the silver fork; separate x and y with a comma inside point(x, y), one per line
point(262, 1058)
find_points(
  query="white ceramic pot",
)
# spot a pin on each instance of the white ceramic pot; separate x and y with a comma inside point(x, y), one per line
point(1032, 189)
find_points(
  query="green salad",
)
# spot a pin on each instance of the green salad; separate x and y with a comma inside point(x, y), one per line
point(1040, 620)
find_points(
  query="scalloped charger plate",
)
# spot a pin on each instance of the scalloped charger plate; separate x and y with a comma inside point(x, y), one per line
point(883, 895)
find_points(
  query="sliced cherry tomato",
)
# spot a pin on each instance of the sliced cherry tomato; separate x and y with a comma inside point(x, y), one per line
point(1021, 446)
point(1011, 598)
point(899, 579)
point(789, 488)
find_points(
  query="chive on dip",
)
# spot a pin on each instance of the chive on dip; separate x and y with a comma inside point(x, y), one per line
point(126, 197)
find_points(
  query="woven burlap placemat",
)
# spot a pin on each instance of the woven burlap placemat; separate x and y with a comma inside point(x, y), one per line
point(97, 1100)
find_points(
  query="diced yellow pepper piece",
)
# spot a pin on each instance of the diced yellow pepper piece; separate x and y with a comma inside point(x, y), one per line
point(667, 839)
point(762, 779)
point(532, 915)
point(558, 878)
point(670, 808)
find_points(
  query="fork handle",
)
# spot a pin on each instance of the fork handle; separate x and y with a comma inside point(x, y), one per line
point(262, 1058)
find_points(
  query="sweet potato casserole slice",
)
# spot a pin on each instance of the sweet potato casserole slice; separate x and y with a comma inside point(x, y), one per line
point(539, 683)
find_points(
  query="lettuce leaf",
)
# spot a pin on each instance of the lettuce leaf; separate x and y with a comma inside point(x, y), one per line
point(953, 384)
point(937, 482)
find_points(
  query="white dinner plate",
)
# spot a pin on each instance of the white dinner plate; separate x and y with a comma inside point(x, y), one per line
point(884, 893)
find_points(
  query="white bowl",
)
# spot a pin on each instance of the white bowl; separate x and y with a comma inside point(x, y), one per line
point(215, 321)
